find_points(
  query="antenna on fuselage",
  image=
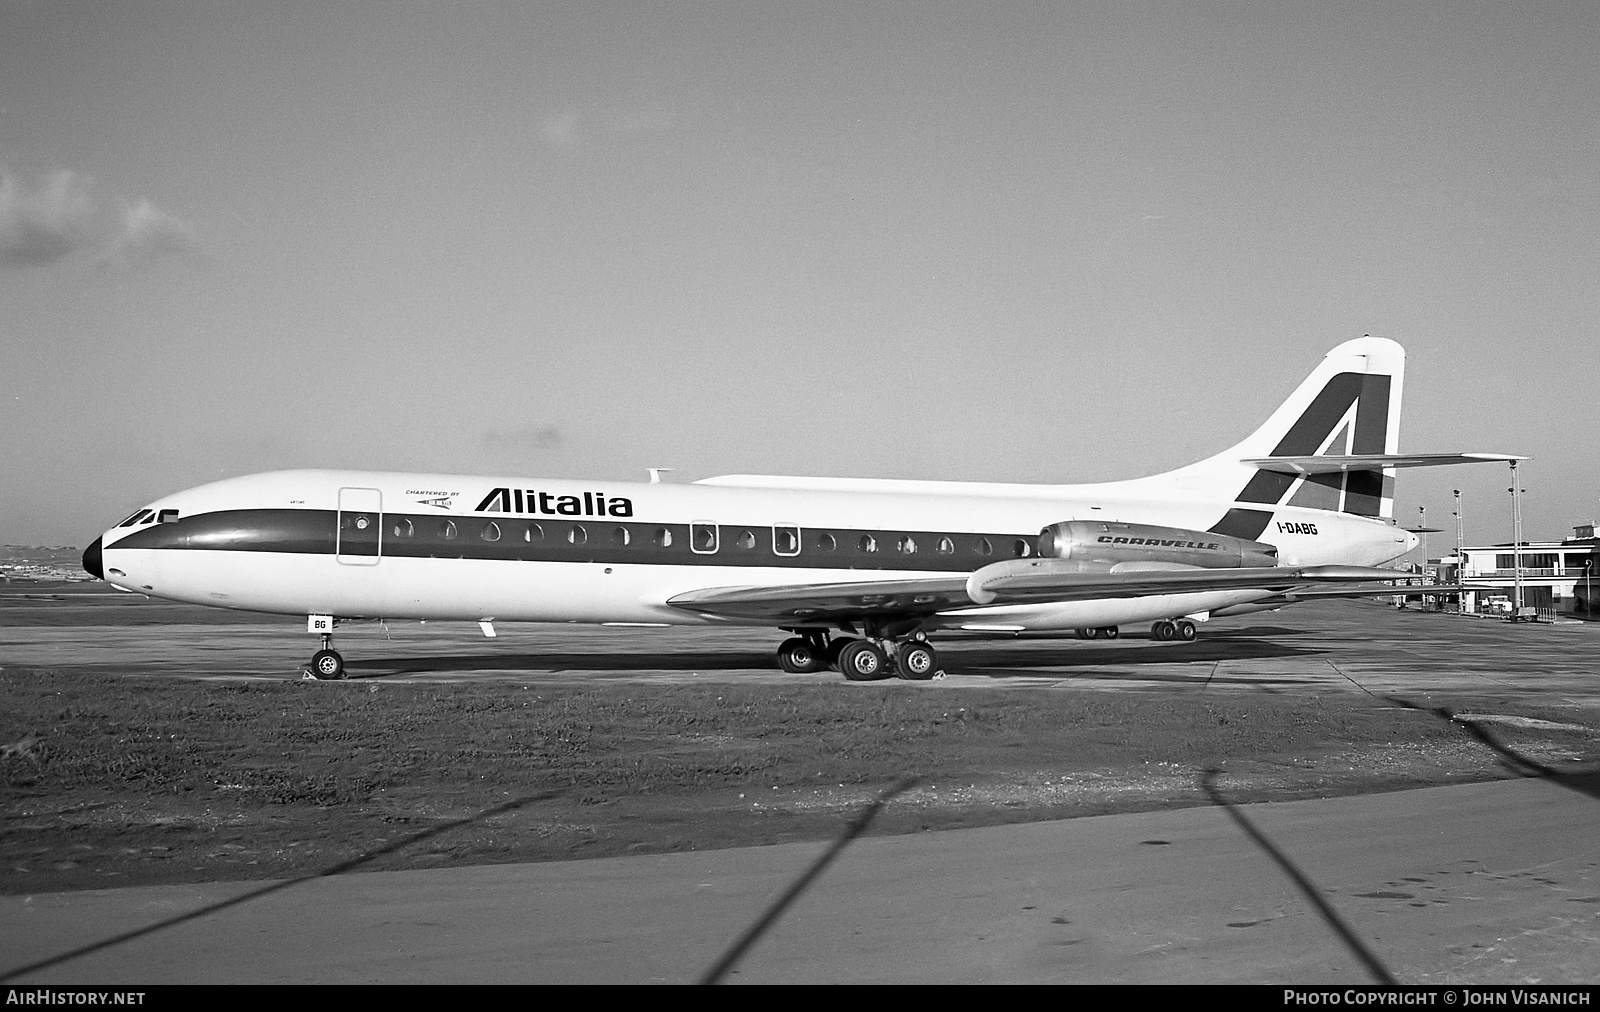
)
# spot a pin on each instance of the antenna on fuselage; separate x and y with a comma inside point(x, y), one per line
point(657, 472)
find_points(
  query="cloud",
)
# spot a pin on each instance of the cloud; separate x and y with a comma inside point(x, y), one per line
point(45, 223)
point(527, 437)
point(57, 217)
point(149, 233)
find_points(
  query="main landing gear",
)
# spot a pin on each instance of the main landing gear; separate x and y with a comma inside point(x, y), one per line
point(1105, 632)
point(860, 660)
point(1182, 629)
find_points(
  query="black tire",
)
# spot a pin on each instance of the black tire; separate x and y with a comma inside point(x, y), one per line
point(1109, 632)
point(799, 656)
point(916, 661)
point(1082, 634)
point(1091, 634)
point(1163, 630)
point(327, 665)
point(830, 658)
point(862, 661)
point(1186, 631)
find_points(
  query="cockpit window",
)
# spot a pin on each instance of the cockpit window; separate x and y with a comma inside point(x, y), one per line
point(138, 515)
point(167, 517)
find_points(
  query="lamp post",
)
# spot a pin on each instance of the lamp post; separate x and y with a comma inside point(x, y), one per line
point(1422, 525)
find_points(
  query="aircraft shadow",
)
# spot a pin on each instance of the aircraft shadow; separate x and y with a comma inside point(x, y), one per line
point(991, 661)
point(555, 662)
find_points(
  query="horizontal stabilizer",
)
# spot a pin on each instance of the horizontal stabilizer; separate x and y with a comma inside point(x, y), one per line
point(1334, 463)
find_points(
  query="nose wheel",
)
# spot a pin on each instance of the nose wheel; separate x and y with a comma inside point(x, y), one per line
point(326, 664)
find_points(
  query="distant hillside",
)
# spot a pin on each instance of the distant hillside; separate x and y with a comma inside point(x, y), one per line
point(41, 563)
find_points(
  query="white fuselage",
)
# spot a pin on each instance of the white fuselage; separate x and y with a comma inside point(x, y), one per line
point(374, 544)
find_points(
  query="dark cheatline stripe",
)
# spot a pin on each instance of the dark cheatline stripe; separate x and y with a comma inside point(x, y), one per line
point(303, 532)
point(1247, 524)
point(544, 539)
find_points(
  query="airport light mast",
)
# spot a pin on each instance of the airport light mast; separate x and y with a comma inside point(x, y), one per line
point(1461, 556)
point(1516, 491)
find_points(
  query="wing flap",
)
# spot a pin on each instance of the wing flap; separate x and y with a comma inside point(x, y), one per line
point(1021, 581)
point(1017, 581)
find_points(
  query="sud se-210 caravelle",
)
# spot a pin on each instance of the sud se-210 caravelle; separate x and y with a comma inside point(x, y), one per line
point(859, 571)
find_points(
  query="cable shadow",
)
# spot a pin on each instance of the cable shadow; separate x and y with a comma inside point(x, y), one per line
point(1307, 888)
point(753, 933)
point(338, 869)
point(1584, 782)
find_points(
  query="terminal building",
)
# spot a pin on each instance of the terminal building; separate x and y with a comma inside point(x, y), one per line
point(1558, 577)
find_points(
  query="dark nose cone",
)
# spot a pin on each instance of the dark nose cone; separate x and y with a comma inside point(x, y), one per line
point(91, 560)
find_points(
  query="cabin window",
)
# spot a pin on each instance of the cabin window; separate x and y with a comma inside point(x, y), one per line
point(620, 537)
point(403, 528)
point(532, 533)
point(577, 535)
point(703, 538)
point(746, 540)
point(868, 544)
point(907, 545)
point(447, 530)
point(663, 538)
point(490, 532)
point(1021, 548)
point(946, 546)
point(786, 541)
point(827, 543)
point(982, 547)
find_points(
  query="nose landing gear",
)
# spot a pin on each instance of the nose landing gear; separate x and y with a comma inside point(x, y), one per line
point(326, 664)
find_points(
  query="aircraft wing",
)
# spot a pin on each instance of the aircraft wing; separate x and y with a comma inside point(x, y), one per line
point(830, 602)
point(1333, 463)
point(1019, 581)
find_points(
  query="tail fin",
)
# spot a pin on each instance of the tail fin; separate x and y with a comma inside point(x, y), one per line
point(1348, 406)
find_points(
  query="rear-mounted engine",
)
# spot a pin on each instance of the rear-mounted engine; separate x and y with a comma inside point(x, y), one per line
point(1092, 541)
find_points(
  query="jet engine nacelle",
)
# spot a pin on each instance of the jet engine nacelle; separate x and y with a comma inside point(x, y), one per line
point(1094, 541)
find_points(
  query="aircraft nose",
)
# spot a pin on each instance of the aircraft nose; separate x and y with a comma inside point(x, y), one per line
point(91, 561)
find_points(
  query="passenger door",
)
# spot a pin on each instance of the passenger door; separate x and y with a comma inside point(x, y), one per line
point(360, 537)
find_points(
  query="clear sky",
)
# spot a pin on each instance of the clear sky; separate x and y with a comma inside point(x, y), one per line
point(1011, 242)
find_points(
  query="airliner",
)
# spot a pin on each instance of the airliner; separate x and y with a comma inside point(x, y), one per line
point(859, 572)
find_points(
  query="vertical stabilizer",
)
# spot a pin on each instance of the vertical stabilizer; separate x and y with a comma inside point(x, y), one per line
point(1350, 404)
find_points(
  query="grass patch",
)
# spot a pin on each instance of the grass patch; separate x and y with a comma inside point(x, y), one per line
point(137, 780)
